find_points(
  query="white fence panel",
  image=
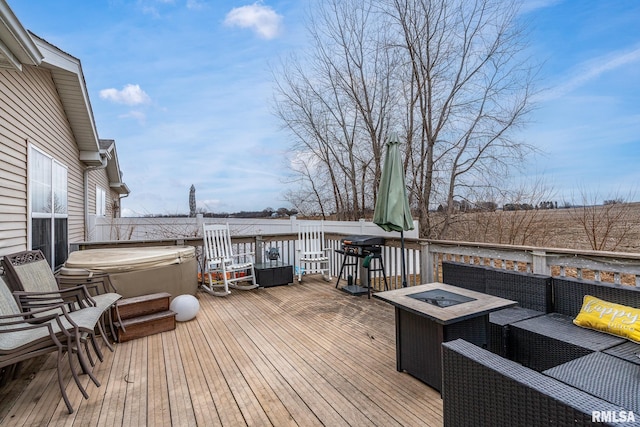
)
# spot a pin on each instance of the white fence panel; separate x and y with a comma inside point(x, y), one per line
point(108, 229)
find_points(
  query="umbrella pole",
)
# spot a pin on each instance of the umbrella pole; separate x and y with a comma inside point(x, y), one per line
point(403, 272)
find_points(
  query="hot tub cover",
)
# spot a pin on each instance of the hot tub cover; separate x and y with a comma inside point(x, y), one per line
point(119, 260)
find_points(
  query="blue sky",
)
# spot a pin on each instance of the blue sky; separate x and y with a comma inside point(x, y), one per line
point(184, 87)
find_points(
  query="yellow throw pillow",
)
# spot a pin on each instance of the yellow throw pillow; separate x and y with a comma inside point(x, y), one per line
point(614, 319)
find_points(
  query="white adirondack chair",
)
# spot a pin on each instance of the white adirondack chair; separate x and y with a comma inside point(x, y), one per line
point(223, 268)
point(313, 256)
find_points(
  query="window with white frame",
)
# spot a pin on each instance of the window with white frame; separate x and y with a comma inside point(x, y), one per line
point(48, 209)
point(101, 201)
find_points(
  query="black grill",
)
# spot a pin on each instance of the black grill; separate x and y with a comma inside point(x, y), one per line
point(369, 247)
point(361, 246)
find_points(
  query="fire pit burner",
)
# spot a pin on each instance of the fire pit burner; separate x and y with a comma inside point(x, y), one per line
point(441, 298)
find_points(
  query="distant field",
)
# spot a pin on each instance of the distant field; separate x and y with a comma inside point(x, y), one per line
point(613, 228)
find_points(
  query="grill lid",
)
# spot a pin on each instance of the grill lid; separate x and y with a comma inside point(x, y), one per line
point(359, 240)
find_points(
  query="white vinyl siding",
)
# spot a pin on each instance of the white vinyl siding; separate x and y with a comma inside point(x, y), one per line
point(31, 111)
point(98, 179)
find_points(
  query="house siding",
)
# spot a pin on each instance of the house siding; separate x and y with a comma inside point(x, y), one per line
point(99, 177)
point(31, 112)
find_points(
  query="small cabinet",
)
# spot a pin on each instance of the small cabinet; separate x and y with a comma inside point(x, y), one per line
point(273, 273)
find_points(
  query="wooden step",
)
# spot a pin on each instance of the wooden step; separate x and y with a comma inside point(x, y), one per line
point(142, 305)
point(146, 325)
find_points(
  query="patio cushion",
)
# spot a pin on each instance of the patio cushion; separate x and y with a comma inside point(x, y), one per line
point(614, 319)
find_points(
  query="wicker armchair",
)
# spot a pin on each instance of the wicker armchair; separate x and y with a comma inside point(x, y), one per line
point(28, 273)
point(481, 388)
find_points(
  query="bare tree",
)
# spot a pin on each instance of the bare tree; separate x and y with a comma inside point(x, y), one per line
point(606, 227)
point(311, 196)
point(470, 90)
point(448, 75)
point(336, 101)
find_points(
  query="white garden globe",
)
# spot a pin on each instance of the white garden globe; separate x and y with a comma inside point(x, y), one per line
point(185, 306)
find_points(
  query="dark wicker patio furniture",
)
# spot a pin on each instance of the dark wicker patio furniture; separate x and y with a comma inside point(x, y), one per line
point(481, 388)
point(605, 376)
point(550, 340)
point(532, 291)
point(560, 373)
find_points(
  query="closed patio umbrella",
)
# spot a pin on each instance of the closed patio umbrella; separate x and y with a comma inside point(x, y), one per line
point(392, 212)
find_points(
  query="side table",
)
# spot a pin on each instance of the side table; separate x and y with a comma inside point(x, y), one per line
point(274, 273)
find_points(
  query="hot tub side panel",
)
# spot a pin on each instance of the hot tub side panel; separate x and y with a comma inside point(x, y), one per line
point(176, 279)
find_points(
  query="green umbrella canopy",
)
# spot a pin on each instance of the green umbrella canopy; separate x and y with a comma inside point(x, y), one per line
point(392, 212)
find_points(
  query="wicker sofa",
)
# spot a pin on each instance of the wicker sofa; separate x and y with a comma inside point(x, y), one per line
point(481, 388)
point(540, 334)
point(550, 340)
point(555, 368)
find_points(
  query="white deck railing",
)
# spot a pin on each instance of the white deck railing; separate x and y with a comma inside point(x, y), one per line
point(422, 257)
point(614, 267)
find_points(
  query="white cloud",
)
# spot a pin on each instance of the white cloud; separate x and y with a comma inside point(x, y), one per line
point(263, 20)
point(534, 5)
point(195, 4)
point(591, 70)
point(139, 116)
point(129, 95)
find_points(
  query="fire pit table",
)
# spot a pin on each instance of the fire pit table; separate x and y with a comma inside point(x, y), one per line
point(428, 315)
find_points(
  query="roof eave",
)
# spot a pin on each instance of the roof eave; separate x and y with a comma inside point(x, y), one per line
point(16, 46)
point(113, 167)
point(66, 71)
point(120, 188)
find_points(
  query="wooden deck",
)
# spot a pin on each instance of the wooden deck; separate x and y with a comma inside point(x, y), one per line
point(305, 354)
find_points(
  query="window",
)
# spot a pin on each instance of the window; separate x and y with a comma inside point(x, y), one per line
point(48, 206)
point(101, 201)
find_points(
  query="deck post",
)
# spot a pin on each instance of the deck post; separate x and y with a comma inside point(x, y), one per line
point(539, 263)
point(259, 249)
point(426, 262)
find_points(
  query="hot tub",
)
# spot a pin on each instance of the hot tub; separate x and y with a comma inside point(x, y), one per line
point(136, 271)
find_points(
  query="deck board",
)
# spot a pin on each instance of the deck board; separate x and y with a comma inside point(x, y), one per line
point(305, 354)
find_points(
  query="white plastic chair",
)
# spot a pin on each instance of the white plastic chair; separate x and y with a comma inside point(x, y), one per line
point(313, 254)
point(228, 268)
